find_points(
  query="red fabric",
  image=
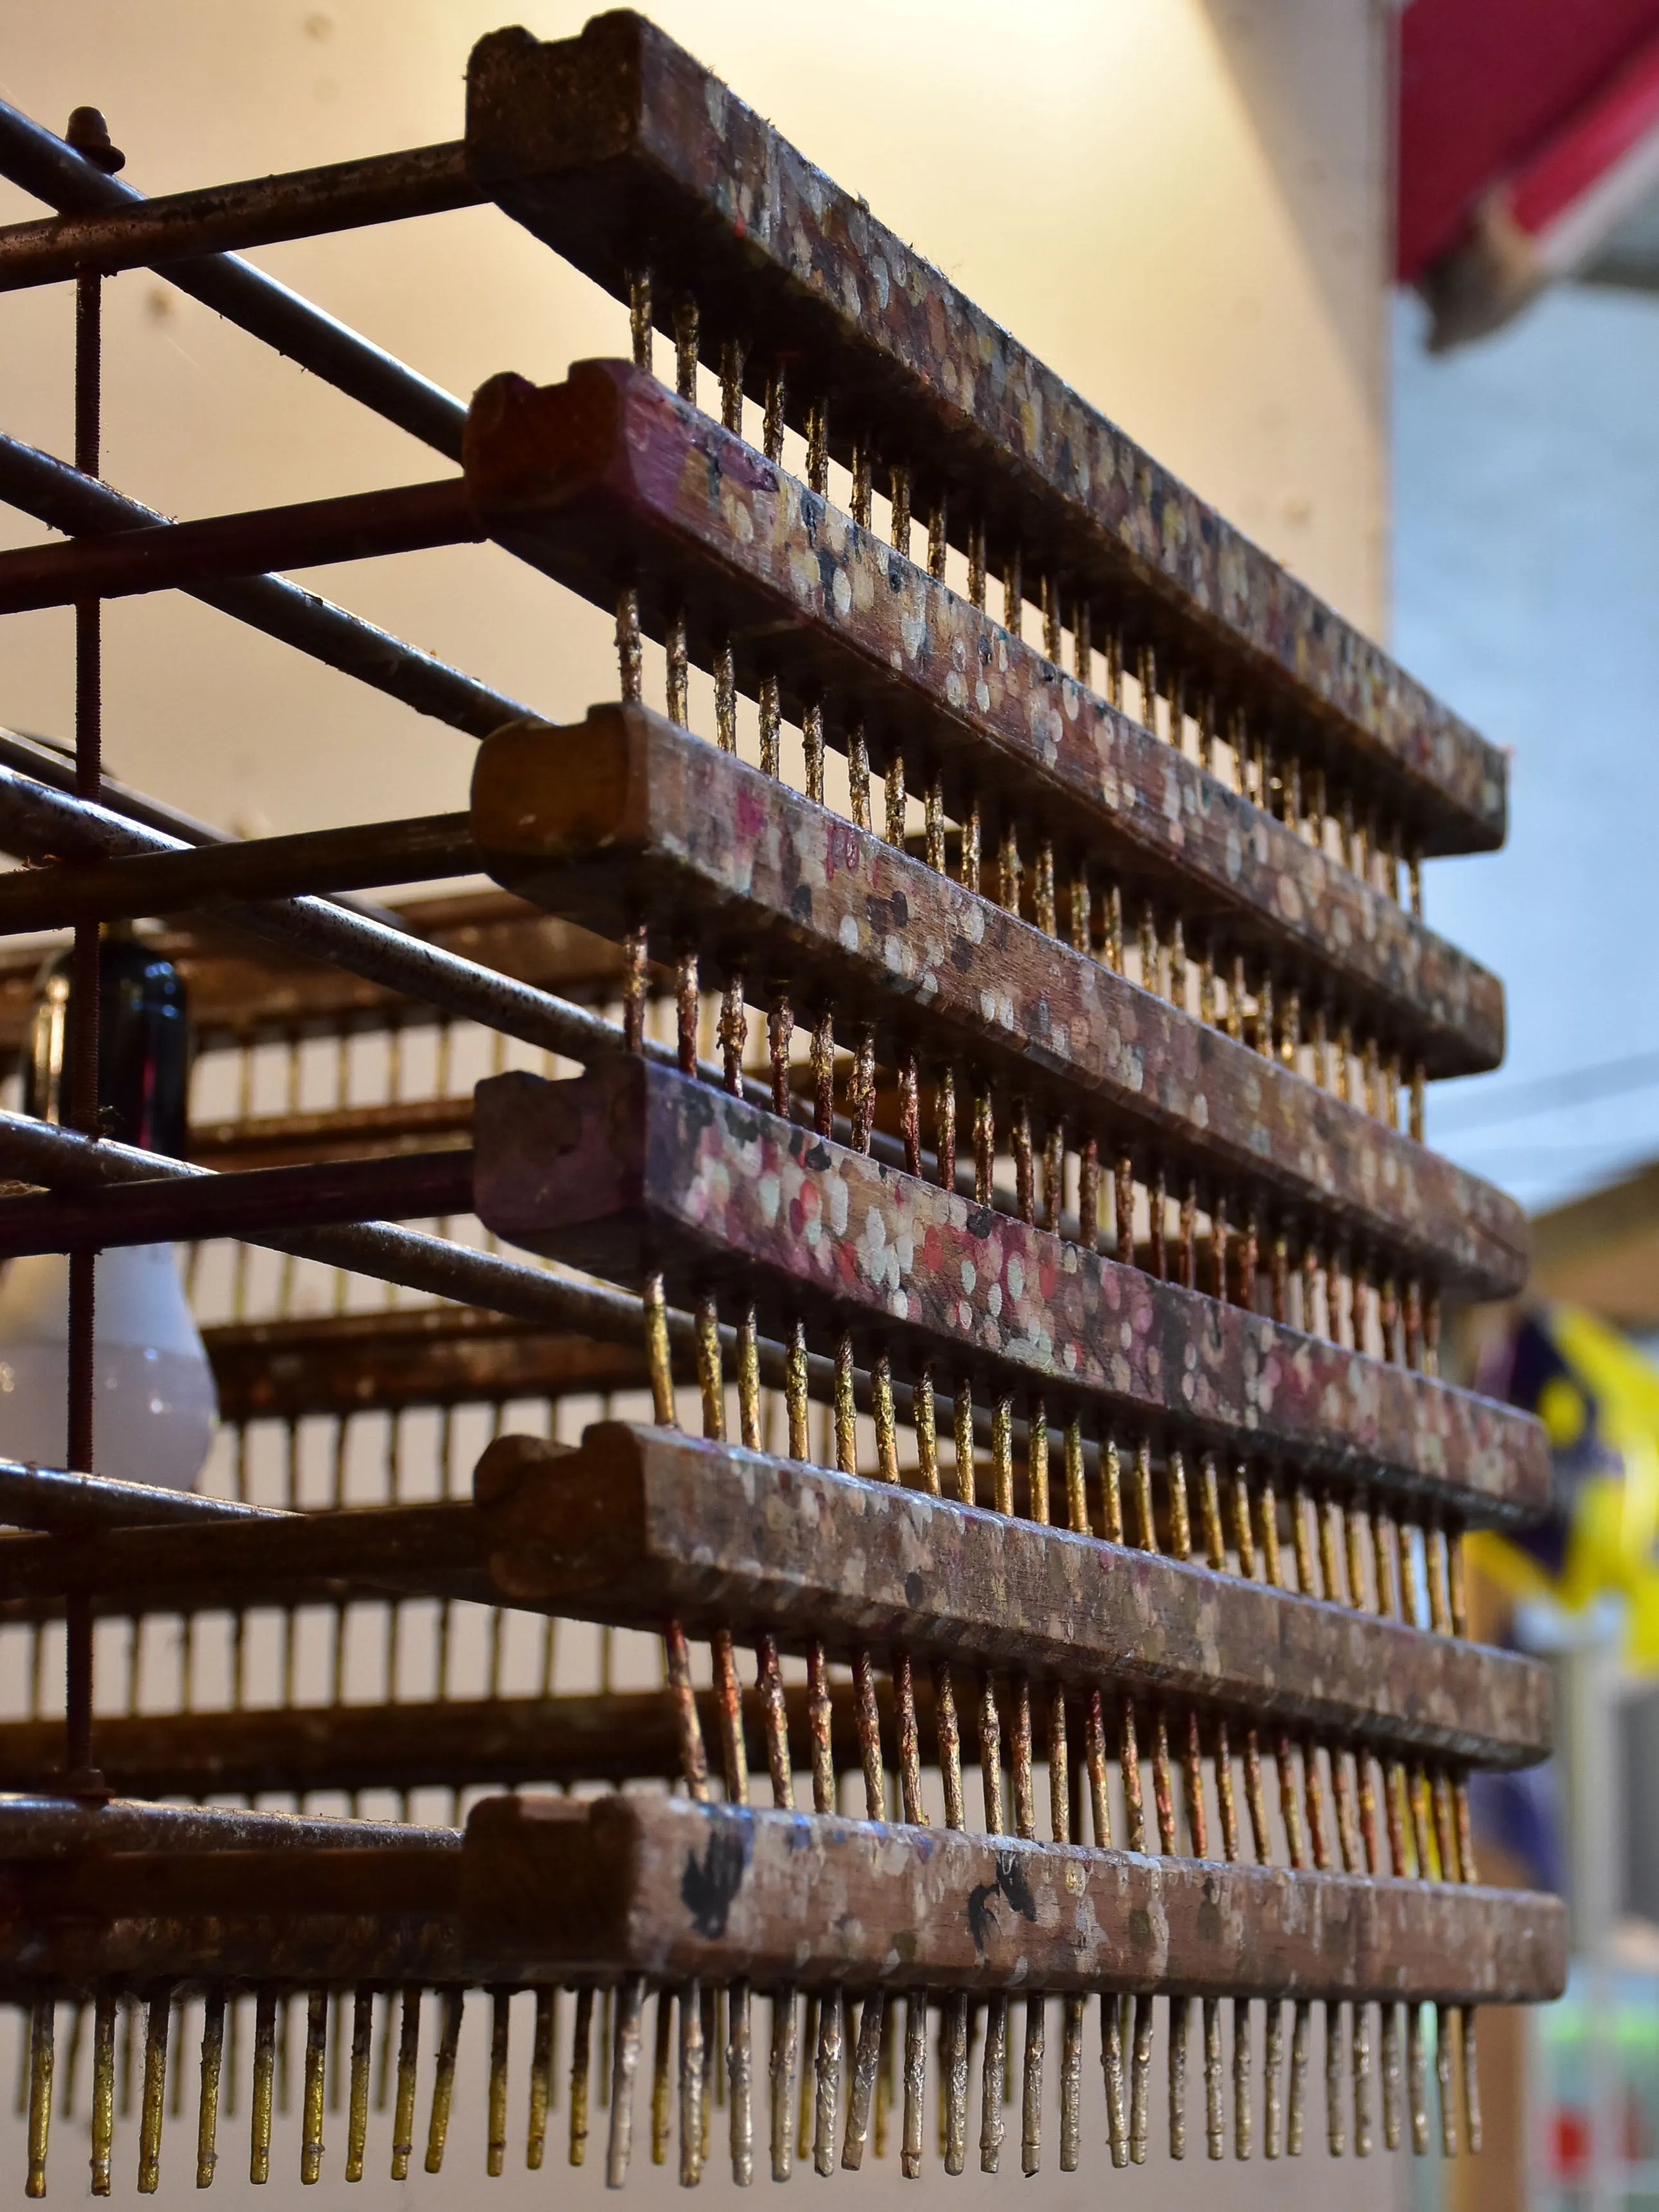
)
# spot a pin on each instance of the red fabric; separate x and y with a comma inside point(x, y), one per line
point(1602, 133)
point(1485, 85)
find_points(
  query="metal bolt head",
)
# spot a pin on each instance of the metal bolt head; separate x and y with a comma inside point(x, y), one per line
point(88, 133)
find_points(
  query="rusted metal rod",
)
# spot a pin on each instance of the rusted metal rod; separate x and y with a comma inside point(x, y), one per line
point(245, 1203)
point(44, 165)
point(36, 1152)
point(444, 1355)
point(305, 865)
point(178, 556)
point(225, 218)
point(53, 1502)
point(622, 1735)
point(35, 820)
point(58, 494)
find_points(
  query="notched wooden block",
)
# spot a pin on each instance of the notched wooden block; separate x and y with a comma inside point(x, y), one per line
point(661, 1886)
point(641, 1525)
point(633, 1168)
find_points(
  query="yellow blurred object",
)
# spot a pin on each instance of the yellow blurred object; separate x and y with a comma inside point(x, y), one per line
point(1615, 1531)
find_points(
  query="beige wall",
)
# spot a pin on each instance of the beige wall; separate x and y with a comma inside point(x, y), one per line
point(1178, 204)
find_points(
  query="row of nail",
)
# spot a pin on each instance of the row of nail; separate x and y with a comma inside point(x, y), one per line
point(1059, 1174)
point(1272, 776)
point(1349, 1544)
point(1430, 1810)
point(840, 2068)
point(1072, 900)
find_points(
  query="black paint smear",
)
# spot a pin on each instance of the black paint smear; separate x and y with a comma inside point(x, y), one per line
point(707, 1891)
point(1011, 1882)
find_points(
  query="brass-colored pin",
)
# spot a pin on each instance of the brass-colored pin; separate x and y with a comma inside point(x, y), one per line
point(1030, 2124)
point(1215, 2102)
point(934, 825)
point(1112, 2074)
point(264, 2070)
point(711, 1380)
point(962, 1465)
point(990, 1755)
point(694, 1756)
point(103, 2092)
point(639, 316)
point(501, 2015)
point(785, 2061)
point(861, 2090)
point(207, 2110)
point(1244, 1531)
point(678, 655)
point(1272, 2074)
point(977, 564)
point(1141, 2078)
point(953, 2037)
point(362, 2036)
point(1209, 1494)
point(541, 2076)
point(1163, 1784)
point(313, 2085)
point(41, 2054)
point(944, 1129)
point(1417, 2079)
point(661, 2055)
point(691, 2085)
point(771, 724)
point(1180, 2010)
point(1391, 2081)
point(624, 2068)
point(795, 1389)
point(807, 2105)
point(739, 2080)
point(1471, 2078)
point(1129, 1767)
point(630, 660)
point(858, 774)
point(827, 2065)
point(1180, 1525)
point(1300, 2037)
point(893, 800)
point(1049, 601)
point(1145, 1520)
point(580, 2067)
point(1242, 2116)
point(992, 2073)
point(898, 483)
point(1336, 2137)
point(1071, 2083)
point(403, 2119)
point(1445, 2080)
point(443, 2081)
point(1361, 2047)
point(731, 387)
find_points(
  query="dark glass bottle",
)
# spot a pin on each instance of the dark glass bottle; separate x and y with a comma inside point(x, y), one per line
point(144, 1045)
